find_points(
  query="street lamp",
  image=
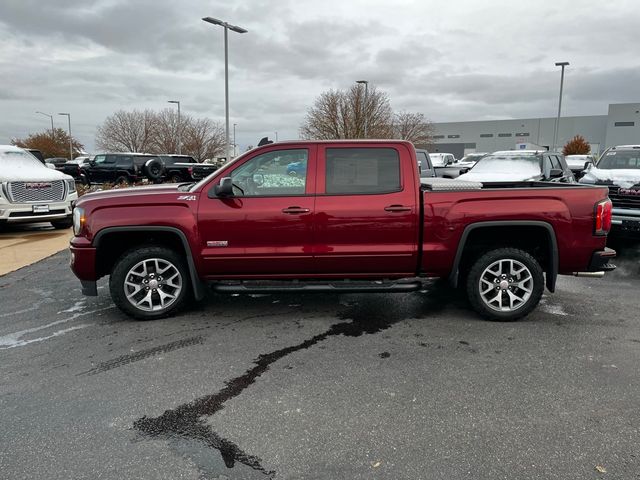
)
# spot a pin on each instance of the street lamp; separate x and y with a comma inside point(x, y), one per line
point(236, 29)
point(366, 95)
point(179, 139)
point(68, 115)
point(51, 117)
point(276, 135)
point(555, 133)
point(234, 140)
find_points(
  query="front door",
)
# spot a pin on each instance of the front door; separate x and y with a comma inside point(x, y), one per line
point(366, 211)
point(266, 228)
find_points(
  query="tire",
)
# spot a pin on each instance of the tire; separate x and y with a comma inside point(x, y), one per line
point(63, 224)
point(175, 178)
point(122, 181)
point(132, 282)
point(153, 169)
point(520, 283)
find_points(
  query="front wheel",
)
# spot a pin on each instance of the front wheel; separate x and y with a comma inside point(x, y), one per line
point(505, 284)
point(149, 282)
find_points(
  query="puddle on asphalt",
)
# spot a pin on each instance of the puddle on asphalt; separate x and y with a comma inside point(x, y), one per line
point(186, 428)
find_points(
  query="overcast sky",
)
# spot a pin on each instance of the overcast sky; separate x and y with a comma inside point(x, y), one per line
point(451, 60)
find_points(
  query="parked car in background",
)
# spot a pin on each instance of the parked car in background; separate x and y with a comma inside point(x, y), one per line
point(577, 163)
point(123, 168)
point(444, 165)
point(297, 168)
point(520, 166)
point(425, 167)
point(31, 192)
point(184, 168)
point(470, 159)
point(619, 169)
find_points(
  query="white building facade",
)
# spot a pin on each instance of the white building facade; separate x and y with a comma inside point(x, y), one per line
point(619, 127)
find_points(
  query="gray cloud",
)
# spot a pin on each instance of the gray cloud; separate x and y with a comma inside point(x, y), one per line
point(452, 61)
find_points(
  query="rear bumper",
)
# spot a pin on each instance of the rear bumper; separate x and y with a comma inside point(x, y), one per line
point(626, 219)
point(83, 264)
point(600, 260)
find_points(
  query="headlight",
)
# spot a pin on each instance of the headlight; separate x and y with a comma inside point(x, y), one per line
point(78, 220)
point(71, 185)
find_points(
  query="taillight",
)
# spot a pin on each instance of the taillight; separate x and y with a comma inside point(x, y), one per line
point(603, 217)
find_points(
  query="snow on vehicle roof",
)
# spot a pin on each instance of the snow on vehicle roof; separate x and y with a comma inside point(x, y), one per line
point(516, 152)
point(17, 164)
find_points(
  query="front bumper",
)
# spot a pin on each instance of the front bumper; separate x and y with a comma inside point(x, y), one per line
point(83, 264)
point(24, 212)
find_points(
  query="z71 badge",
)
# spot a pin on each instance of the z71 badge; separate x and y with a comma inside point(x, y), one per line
point(188, 198)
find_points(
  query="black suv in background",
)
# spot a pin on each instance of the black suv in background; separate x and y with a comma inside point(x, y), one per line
point(123, 168)
point(184, 168)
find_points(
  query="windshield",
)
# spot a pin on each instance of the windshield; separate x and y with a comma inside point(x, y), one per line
point(528, 165)
point(620, 160)
point(18, 159)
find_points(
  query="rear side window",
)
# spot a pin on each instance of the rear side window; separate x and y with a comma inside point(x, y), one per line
point(362, 170)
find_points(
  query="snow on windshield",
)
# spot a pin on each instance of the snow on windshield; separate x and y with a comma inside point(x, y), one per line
point(626, 178)
point(437, 160)
point(528, 166)
point(18, 159)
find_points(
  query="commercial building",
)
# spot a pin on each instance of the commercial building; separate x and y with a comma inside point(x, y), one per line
point(619, 127)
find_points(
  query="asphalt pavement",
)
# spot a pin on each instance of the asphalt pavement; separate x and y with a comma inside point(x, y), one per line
point(378, 386)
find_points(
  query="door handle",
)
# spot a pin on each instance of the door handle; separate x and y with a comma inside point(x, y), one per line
point(295, 210)
point(397, 208)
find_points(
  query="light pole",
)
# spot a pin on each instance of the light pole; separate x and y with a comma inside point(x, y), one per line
point(276, 135)
point(68, 115)
point(234, 140)
point(179, 135)
point(366, 98)
point(51, 117)
point(555, 133)
point(235, 28)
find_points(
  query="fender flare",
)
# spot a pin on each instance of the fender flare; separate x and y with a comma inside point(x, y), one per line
point(551, 268)
point(198, 286)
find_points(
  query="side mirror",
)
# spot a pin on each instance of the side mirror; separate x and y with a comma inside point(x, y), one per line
point(258, 179)
point(556, 173)
point(224, 188)
point(588, 165)
point(464, 170)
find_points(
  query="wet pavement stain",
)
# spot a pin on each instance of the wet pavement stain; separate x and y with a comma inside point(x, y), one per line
point(186, 424)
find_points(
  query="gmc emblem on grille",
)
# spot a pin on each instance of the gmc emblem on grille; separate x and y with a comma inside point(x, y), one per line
point(629, 191)
point(37, 185)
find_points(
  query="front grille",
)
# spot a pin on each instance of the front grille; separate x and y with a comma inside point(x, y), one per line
point(34, 192)
point(624, 200)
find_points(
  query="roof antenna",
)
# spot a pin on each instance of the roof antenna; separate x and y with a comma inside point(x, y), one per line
point(264, 141)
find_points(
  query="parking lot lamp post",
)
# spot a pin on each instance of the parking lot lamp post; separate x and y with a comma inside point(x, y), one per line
point(68, 115)
point(555, 133)
point(51, 117)
point(234, 140)
point(178, 127)
point(366, 98)
point(235, 28)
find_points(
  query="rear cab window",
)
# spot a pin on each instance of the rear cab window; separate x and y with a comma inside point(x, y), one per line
point(362, 171)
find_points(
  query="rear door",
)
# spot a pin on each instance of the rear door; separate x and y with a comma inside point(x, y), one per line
point(266, 228)
point(366, 219)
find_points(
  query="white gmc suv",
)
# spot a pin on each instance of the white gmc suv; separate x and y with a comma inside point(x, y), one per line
point(31, 192)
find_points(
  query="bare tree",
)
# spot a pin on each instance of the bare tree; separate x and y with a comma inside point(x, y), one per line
point(343, 114)
point(165, 135)
point(127, 132)
point(203, 138)
point(413, 127)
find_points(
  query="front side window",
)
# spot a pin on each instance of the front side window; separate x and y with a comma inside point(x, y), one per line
point(275, 173)
point(98, 159)
point(362, 170)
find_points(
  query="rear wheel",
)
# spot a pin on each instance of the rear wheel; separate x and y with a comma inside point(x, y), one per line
point(149, 282)
point(122, 181)
point(505, 284)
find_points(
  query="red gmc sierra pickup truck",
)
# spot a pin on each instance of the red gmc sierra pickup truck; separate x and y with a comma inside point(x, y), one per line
point(355, 217)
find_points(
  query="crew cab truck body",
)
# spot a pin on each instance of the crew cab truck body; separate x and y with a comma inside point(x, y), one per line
point(358, 220)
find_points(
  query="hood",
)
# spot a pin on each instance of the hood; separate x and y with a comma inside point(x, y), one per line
point(27, 172)
point(497, 177)
point(135, 191)
point(623, 178)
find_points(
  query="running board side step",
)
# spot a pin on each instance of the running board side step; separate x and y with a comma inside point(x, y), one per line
point(336, 287)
